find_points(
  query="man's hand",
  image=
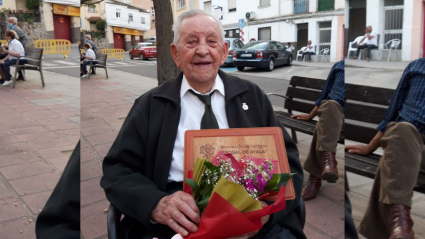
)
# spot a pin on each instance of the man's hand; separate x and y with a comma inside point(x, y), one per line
point(6, 51)
point(302, 117)
point(358, 149)
point(174, 210)
point(264, 220)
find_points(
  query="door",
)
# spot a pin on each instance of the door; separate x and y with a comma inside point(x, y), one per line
point(118, 41)
point(62, 27)
point(133, 41)
point(141, 38)
point(357, 22)
point(302, 35)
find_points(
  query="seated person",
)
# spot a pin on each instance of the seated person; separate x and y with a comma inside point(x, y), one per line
point(143, 170)
point(321, 162)
point(402, 136)
point(309, 50)
point(370, 41)
point(89, 57)
point(15, 50)
point(290, 49)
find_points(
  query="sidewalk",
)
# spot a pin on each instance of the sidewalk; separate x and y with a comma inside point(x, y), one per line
point(39, 128)
point(105, 104)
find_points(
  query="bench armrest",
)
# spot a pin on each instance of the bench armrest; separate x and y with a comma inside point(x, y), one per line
point(275, 94)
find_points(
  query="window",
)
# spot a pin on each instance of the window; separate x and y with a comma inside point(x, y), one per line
point(324, 36)
point(130, 17)
point(92, 8)
point(153, 12)
point(301, 6)
point(208, 7)
point(232, 5)
point(264, 33)
point(264, 3)
point(181, 4)
point(279, 46)
point(118, 13)
point(143, 20)
point(326, 5)
point(393, 19)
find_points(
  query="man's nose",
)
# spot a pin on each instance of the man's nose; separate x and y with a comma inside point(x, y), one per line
point(202, 49)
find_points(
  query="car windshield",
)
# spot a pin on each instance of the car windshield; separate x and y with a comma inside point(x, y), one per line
point(145, 44)
point(255, 46)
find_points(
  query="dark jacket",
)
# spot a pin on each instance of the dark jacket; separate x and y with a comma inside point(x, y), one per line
point(60, 217)
point(137, 166)
point(23, 38)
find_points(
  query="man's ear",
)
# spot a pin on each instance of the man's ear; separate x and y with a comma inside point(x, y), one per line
point(173, 48)
point(225, 50)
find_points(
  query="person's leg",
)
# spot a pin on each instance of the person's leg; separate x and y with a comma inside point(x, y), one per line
point(359, 48)
point(84, 67)
point(6, 69)
point(321, 162)
point(391, 197)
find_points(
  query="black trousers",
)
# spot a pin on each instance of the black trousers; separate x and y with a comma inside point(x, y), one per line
point(368, 47)
point(309, 54)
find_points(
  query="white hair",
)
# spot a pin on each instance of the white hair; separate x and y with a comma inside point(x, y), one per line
point(88, 36)
point(14, 19)
point(189, 14)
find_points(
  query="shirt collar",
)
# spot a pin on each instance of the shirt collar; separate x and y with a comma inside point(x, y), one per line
point(218, 85)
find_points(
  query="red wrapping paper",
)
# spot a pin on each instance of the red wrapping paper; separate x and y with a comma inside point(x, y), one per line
point(221, 220)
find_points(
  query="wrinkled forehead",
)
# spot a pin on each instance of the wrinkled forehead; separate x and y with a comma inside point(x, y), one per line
point(199, 25)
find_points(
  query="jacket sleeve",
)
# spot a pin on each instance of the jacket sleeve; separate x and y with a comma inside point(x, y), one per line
point(285, 217)
point(123, 179)
point(60, 217)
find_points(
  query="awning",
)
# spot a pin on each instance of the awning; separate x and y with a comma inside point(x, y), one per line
point(94, 19)
point(127, 31)
point(66, 10)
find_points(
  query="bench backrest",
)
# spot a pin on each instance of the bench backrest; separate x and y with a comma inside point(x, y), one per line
point(101, 59)
point(303, 93)
point(34, 56)
point(366, 106)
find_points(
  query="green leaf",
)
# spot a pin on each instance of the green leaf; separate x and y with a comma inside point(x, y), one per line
point(203, 204)
point(272, 183)
point(211, 167)
point(277, 181)
point(193, 185)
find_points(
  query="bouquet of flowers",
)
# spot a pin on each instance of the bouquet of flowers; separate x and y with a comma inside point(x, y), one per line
point(228, 191)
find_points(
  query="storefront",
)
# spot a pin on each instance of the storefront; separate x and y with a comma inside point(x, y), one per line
point(62, 15)
point(120, 34)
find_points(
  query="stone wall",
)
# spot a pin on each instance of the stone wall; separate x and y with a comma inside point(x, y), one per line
point(34, 31)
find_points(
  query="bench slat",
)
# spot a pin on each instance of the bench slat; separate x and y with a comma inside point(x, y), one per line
point(364, 113)
point(304, 94)
point(368, 94)
point(295, 105)
point(359, 133)
point(307, 82)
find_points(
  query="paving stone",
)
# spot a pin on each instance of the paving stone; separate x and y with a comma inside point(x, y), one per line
point(25, 170)
point(12, 229)
point(91, 169)
point(311, 232)
point(34, 184)
point(38, 136)
point(89, 131)
point(13, 149)
point(37, 201)
point(49, 143)
point(93, 220)
point(29, 130)
point(103, 149)
point(55, 152)
point(59, 162)
point(10, 211)
point(18, 158)
point(91, 191)
point(62, 126)
point(6, 140)
point(4, 191)
point(103, 138)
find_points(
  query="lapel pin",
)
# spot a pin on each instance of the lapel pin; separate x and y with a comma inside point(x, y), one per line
point(244, 106)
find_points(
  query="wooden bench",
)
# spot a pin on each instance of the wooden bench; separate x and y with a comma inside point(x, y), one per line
point(100, 63)
point(365, 108)
point(301, 96)
point(34, 59)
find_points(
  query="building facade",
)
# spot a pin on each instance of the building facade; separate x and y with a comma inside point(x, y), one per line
point(62, 19)
point(392, 19)
point(181, 6)
point(295, 21)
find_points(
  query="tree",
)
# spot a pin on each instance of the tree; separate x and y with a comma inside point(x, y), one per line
point(32, 4)
point(166, 68)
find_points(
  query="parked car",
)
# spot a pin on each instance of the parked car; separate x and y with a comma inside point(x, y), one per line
point(264, 54)
point(144, 50)
point(234, 45)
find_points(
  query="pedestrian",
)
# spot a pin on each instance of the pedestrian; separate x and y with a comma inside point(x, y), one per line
point(321, 162)
point(371, 42)
point(309, 50)
point(402, 136)
point(93, 47)
point(143, 170)
point(289, 48)
point(90, 57)
point(15, 50)
point(22, 37)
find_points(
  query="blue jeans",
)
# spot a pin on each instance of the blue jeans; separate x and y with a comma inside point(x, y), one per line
point(6, 67)
point(84, 66)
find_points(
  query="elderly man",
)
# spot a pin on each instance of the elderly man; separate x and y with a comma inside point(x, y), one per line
point(15, 50)
point(402, 137)
point(143, 171)
point(309, 50)
point(22, 37)
point(321, 162)
point(371, 40)
point(89, 41)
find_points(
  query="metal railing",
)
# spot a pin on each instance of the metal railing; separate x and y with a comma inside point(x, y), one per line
point(114, 53)
point(393, 28)
point(4, 42)
point(301, 6)
point(54, 46)
point(324, 38)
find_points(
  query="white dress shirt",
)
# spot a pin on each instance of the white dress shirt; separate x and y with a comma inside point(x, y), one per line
point(90, 53)
point(374, 40)
point(15, 46)
point(310, 49)
point(192, 110)
point(289, 48)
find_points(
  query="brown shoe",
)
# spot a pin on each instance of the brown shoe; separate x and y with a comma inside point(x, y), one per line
point(330, 171)
point(367, 59)
point(401, 223)
point(311, 189)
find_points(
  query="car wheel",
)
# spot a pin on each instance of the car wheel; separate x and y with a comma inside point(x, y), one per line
point(142, 57)
point(270, 67)
point(240, 68)
point(289, 61)
point(131, 56)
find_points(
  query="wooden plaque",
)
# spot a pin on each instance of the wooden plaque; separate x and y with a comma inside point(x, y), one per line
point(264, 142)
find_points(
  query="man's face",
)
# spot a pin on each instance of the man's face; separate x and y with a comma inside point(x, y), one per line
point(10, 21)
point(8, 38)
point(309, 42)
point(200, 50)
point(368, 29)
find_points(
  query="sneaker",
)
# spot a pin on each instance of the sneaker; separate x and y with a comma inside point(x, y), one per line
point(85, 75)
point(7, 82)
point(2, 81)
